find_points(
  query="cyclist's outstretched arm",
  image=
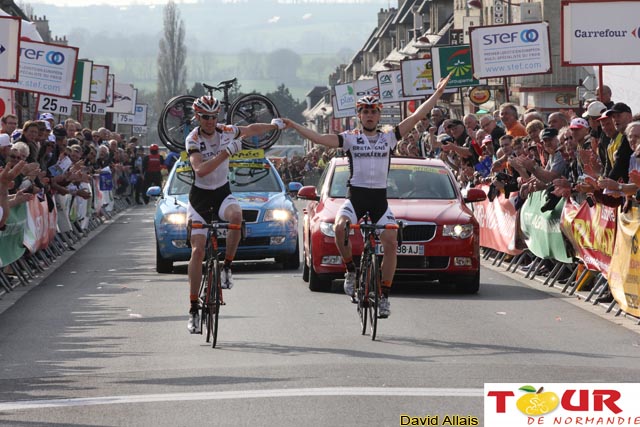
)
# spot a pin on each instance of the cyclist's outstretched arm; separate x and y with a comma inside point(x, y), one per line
point(328, 140)
point(407, 124)
point(256, 129)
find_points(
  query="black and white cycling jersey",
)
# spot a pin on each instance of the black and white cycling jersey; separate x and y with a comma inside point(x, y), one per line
point(369, 156)
point(209, 147)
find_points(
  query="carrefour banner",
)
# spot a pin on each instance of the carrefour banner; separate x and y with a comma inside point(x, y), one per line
point(600, 32)
point(624, 274)
point(11, 248)
point(497, 224)
point(37, 232)
point(45, 68)
point(592, 233)
point(541, 230)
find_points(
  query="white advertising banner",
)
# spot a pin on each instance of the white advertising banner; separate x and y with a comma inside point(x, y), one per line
point(417, 77)
point(124, 95)
point(367, 87)
point(347, 95)
point(600, 33)
point(390, 86)
point(510, 50)
point(54, 105)
point(99, 80)
point(139, 118)
point(45, 68)
point(9, 48)
point(344, 102)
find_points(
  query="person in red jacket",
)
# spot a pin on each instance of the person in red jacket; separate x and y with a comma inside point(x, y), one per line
point(152, 166)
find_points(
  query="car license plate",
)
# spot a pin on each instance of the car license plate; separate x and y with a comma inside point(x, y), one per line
point(222, 233)
point(405, 250)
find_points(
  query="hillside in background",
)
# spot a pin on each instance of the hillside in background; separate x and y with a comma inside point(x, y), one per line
point(220, 36)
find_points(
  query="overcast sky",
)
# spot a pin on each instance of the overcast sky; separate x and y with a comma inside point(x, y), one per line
point(79, 3)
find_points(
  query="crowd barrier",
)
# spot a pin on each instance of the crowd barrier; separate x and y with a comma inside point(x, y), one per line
point(39, 231)
point(591, 248)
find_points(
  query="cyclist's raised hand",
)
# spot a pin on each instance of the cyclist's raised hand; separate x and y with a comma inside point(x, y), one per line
point(233, 147)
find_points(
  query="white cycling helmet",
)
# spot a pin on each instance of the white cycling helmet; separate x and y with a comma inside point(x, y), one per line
point(368, 102)
point(206, 105)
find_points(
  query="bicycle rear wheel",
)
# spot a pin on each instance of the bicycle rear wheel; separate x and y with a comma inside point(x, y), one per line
point(176, 121)
point(214, 306)
point(254, 108)
point(374, 290)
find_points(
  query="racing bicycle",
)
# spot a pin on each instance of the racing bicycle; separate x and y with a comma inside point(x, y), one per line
point(368, 287)
point(210, 294)
point(177, 118)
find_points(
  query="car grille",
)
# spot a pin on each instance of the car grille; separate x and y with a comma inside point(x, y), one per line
point(249, 241)
point(418, 262)
point(418, 232)
point(250, 215)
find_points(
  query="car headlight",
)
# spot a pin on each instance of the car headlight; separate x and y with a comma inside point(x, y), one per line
point(175, 218)
point(327, 229)
point(277, 215)
point(458, 231)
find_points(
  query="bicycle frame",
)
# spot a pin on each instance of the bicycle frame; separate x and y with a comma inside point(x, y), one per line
point(210, 292)
point(368, 278)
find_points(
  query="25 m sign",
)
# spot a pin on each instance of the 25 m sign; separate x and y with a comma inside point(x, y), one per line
point(54, 105)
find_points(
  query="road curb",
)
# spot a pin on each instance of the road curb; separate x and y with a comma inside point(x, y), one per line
point(577, 299)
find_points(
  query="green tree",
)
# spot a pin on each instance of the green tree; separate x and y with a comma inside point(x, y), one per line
point(287, 106)
point(172, 71)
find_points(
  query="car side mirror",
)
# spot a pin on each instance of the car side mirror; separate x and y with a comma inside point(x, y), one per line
point(475, 195)
point(154, 191)
point(308, 193)
point(294, 187)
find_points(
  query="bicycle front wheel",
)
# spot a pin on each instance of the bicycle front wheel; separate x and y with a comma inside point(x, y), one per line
point(207, 313)
point(361, 293)
point(214, 307)
point(176, 121)
point(373, 297)
point(254, 108)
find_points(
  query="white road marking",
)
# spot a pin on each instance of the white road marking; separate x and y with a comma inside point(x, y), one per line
point(243, 394)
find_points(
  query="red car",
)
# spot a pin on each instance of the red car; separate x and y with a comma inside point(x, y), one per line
point(440, 235)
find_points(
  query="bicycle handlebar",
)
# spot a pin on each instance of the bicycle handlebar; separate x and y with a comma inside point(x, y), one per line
point(374, 227)
point(366, 226)
point(216, 226)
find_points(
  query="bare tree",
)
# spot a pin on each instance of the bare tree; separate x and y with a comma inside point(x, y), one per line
point(172, 71)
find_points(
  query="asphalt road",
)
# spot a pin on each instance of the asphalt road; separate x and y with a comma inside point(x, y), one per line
point(102, 341)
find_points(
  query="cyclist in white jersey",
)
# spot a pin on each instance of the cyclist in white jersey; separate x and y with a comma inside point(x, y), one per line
point(209, 147)
point(369, 151)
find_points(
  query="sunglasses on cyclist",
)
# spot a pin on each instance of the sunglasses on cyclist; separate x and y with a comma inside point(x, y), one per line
point(208, 116)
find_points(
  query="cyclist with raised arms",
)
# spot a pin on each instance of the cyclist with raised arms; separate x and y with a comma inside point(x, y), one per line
point(209, 147)
point(368, 151)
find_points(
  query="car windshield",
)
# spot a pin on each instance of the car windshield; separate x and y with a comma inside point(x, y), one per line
point(243, 177)
point(404, 182)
